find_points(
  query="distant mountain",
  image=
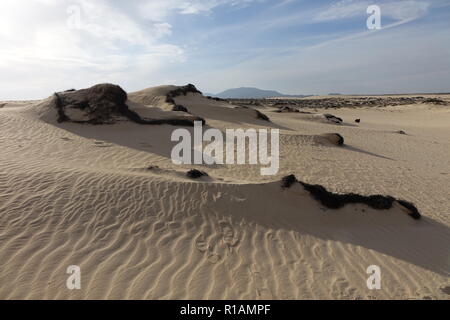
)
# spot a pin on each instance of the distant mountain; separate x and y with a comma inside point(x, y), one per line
point(250, 93)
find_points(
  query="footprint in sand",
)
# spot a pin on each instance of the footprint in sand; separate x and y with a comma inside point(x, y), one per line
point(213, 258)
point(201, 244)
point(206, 249)
point(341, 288)
point(228, 235)
point(217, 195)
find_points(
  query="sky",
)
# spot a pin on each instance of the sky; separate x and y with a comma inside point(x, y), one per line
point(293, 46)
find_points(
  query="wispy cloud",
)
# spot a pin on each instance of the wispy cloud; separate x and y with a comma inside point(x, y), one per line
point(92, 39)
point(159, 10)
point(138, 43)
point(397, 10)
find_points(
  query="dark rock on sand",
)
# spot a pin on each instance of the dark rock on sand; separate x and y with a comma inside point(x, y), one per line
point(358, 120)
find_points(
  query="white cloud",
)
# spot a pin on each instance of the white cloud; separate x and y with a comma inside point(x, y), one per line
point(343, 9)
point(131, 43)
point(38, 41)
point(406, 10)
point(158, 10)
point(77, 42)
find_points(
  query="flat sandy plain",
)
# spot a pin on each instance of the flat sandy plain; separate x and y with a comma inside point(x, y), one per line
point(78, 194)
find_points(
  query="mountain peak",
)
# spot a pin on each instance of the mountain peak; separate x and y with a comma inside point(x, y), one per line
point(250, 93)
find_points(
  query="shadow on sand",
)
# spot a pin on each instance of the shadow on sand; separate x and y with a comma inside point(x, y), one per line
point(424, 243)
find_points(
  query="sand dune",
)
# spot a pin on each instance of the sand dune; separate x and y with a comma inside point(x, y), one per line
point(108, 199)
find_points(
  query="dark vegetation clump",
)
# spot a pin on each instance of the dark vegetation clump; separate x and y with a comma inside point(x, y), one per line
point(216, 99)
point(335, 200)
point(332, 117)
point(101, 104)
point(59, 107)
point(182, 91)
point(196, 174)
point(179, 92)
point(178, 107)
point(434, 101)
point(412, 208)
point(340, 102)
point(288, 181)
point(105, 101)
point(287, 109)
point(334, 138)
point(176, 121)
point(170, 100)
point(262, 116)
point(341, 139)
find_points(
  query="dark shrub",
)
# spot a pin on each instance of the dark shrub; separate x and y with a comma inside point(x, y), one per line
point(196, 174)
point(178, 107)
point(335, 201)
point(288, 181)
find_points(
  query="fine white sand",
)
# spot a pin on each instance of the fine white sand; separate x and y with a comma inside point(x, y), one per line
point(73, 194)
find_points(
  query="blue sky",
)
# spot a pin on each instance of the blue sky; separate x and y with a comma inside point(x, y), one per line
point(294, 46)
